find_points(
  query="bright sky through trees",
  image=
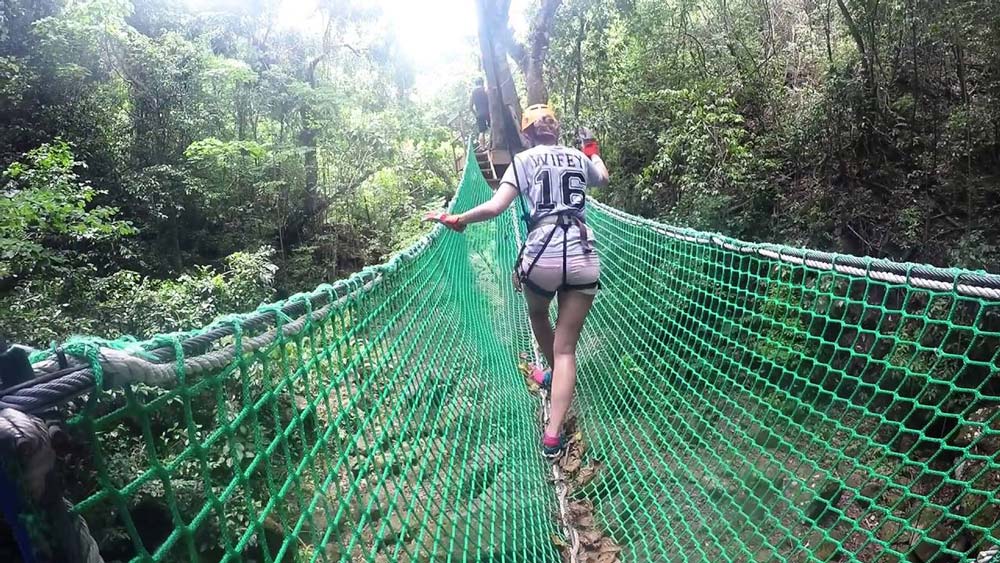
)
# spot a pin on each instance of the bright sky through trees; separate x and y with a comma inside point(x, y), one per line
point(438, 36)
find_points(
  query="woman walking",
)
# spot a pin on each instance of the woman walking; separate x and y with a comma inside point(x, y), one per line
point(558, 259)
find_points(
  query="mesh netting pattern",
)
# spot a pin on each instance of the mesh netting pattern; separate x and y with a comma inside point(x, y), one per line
point(753, 409)
point(743, 408)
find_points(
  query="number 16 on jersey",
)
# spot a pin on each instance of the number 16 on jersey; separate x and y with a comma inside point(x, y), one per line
point(572, 184)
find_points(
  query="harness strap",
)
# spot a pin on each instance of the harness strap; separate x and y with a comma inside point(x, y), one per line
point(589, 285)
point(550, 294)
point(565, 229)
point(545, 244)
point(558, 221)
point(575, 219)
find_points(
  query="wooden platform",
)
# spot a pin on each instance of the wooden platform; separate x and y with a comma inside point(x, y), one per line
point(492, 163)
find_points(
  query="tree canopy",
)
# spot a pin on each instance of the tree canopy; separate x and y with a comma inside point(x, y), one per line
point(871, 128)
point(142, 137)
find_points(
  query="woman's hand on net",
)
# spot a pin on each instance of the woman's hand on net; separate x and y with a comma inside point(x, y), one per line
point(453, 222)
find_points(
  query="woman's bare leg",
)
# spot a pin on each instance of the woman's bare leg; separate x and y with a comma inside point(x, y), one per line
point(538, 313)
point(573, 309)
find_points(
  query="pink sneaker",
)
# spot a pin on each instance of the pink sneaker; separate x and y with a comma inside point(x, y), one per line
point(553, 446)
point(542, 378)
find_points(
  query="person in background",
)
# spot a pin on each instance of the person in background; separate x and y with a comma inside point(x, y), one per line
point(480, 103)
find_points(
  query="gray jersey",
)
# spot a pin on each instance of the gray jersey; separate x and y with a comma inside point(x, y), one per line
point(553, 180)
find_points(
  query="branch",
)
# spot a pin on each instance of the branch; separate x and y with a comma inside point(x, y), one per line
point(329, 48)
point(357, 52)
point(311, 69)
point(516, 50)
point(701, 51)
point(356, 182)
point(538, 38)
point(860, 238)
point(541, 27)
point(120, 67)
point(853, 27)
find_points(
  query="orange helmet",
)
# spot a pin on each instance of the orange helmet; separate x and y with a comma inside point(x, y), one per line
point(535, 112)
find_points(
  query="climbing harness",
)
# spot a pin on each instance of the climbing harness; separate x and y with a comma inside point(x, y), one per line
point(562, 219)
point(565, 221)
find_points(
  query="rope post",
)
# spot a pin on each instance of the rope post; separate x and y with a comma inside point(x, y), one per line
point(31, 494)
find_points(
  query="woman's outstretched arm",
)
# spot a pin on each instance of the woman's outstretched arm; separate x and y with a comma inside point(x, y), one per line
point(497, 204)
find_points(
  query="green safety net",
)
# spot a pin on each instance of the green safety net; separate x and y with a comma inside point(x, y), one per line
point(738, 403)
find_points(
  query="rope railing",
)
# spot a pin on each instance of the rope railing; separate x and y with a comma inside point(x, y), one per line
point(979, 284)
point(120, 368)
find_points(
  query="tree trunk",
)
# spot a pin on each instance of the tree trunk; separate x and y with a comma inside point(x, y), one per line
point(241, 120)
point(307, 140)
point(960, 70)
point(531, 59)
point(969, 184)
point(534, 66)
point(768, 25)
point(826, 28)
point(579, 68)
point(175, 244)
point(916, 71)
point(866, 57)
point(505, 106)
point(301, 217)
point(496, 41)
